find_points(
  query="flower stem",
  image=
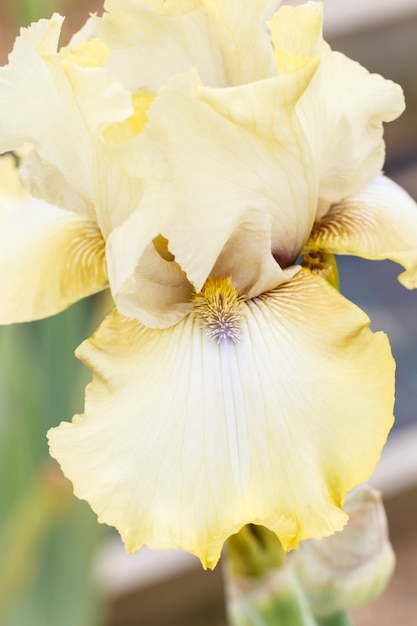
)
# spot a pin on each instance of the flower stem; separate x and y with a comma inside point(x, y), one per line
point(273, 600)
point(338, 619)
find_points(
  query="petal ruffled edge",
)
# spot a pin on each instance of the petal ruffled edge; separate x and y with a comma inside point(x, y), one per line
point(185, 440)
point(344, 108)
point(73, 101)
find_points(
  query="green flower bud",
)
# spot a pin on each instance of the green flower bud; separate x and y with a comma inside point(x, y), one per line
point(261, 588)
point(353, 566)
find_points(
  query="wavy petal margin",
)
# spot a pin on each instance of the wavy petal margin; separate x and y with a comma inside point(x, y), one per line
point(342, 111)
point(72, 101)
point(185, 440)
point(152, 40)
point(378, 223)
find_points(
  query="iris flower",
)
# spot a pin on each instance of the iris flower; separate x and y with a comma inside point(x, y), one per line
point(231, 384)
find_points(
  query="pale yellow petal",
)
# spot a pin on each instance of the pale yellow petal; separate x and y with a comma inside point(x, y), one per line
point(44, 181)
point(12, 193)
point(184, 439)
point(343, 109)
point(120, 132)
point(49, 258)
point(152, 40)
point(243, 38)
point(145, 280)
point(144, 284)
point(378, 223)
point(245, 172)
point(60, 103)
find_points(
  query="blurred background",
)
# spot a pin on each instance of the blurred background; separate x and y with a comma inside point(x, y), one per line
point(58, 566)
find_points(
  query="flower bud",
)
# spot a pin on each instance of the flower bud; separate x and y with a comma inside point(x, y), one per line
point(354, 565)
point(260, 584)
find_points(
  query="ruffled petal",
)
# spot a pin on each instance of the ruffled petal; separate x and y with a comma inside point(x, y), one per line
point(49, 258)
point(72, 101)
point(245, 174)
point(343, 109)
point(378, 223)
point(184, 440)
point(144, 284)
point(152, 40)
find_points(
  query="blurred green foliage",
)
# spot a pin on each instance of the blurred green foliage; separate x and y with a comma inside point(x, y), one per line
point(47, 537)
point(27, 11)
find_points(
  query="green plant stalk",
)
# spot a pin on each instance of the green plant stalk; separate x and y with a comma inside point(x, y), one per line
point(339, 619)
point(266, 606)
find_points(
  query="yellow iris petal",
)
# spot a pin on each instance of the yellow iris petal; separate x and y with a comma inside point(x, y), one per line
point(72, 101)
point(119, 132)
point(93, 53)
point(274, 429)
point(343, 109)
point(380, 222)
point(49, 258)
point(152, 40)
point(242, 192)
point(241, 29)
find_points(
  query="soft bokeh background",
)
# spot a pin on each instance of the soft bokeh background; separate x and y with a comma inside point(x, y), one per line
point(56, 567)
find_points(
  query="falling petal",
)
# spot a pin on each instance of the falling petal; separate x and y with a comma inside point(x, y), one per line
point(185, 439)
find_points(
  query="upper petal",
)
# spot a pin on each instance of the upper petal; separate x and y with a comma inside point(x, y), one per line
point(152, 40)
point(241, 193)
point(380, 222)
point(243, 38)
point(49, 258)
point(185, 440)
point(71, 101)
point(343, 109)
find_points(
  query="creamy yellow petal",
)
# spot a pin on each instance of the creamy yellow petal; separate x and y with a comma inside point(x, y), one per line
point(43, 180)
point(243, 38)
point(60, 105)
point(246, 172)
point(145, 281)
point(230, 204)
point(378, 223)
point(152, 40)
point(120, 132)
point(343, 109)
point(144, 284)
point(49, 258)
point(12, 193)
point(184, 439)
